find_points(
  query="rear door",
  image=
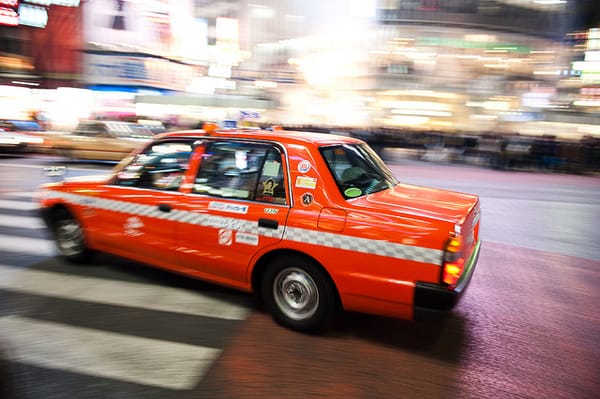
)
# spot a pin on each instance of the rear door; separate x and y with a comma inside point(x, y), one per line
point(237, 207)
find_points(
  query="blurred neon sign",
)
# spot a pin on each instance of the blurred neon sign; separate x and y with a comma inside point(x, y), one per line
point(33, 16)
point(107, 69)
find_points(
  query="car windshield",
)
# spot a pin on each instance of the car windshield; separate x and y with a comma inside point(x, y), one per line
point(357, 169)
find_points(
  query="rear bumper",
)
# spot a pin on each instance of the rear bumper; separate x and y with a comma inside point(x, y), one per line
point(435, 300)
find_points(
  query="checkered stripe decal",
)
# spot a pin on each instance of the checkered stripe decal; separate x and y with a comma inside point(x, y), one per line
point(219, 222)
point(365, 245)
point(331, 240)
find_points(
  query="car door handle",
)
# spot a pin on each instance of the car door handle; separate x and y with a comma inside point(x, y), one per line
point(268, 223)
point(164, 207)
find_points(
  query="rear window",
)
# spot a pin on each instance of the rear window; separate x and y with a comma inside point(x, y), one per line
point(357, 170)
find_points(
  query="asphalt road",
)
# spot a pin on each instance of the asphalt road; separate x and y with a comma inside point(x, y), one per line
point(528, 327)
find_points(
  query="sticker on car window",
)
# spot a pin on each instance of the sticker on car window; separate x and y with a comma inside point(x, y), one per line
point(306, 182)
point(353, 192)
point(269, 187)
point(271, 168)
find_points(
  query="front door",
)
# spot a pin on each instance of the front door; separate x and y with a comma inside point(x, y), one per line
point(136, 214)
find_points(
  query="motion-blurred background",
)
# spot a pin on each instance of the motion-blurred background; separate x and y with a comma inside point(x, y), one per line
point(502, 83)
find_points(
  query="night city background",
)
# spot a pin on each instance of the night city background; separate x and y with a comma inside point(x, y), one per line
point(498, 98)
point(381, 70)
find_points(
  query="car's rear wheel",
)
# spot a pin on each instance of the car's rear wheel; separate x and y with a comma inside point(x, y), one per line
point(298, 294)
point(70, 238)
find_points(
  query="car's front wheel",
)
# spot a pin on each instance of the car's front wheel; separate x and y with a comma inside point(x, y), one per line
point(299, 294)
point(70, 238)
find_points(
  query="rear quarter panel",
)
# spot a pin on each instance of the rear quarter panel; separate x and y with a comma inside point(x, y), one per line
point(373, 259)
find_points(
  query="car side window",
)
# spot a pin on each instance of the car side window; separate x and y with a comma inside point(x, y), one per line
point(357, 170)
point(238, 170)
point(161, 166)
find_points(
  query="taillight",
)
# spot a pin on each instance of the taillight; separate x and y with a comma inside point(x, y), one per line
point(453, 261)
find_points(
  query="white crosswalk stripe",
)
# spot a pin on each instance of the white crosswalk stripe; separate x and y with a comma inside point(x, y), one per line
point(105, 354)
point(23, 222)
point(25, 245)
point(18, 205)
point(60, 345)
point(112, 292)
point(22, 194)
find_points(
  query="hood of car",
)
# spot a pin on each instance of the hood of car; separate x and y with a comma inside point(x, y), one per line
point(87, 185)
point(76, 183)
point(411, 200)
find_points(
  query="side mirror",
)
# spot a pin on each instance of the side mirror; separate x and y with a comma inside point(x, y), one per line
point(55, 171)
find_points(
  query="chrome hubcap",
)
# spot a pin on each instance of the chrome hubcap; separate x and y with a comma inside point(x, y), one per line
point(296, 293)
point(69, 237)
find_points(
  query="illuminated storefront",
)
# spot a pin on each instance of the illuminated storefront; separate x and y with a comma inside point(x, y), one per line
point(38, 54)
point(134, 47)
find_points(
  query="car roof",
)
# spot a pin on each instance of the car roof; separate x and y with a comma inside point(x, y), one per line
point(281, 136)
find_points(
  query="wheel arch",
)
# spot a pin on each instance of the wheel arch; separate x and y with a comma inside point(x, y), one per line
point(58, 210)
point(52, 216)
point(54, 211)
point(263, 262)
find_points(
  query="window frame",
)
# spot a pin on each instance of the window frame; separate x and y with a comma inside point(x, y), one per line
point(249, 144)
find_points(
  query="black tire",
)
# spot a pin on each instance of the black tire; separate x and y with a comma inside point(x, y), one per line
point(298, 294)
point(70, 238)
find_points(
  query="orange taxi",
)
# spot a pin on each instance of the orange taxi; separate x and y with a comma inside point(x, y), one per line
point(312, 223)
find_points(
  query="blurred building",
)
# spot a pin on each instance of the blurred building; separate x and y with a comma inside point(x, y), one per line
point(40, 43)
point(504, 59)
point(448, 65)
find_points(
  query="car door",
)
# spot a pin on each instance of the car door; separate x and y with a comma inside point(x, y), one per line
point(237, 208)
point(135, 214)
